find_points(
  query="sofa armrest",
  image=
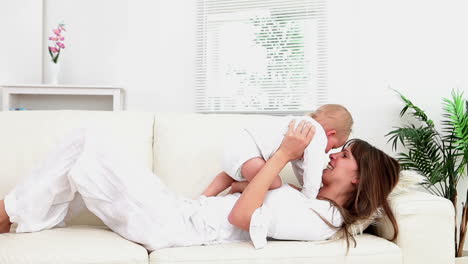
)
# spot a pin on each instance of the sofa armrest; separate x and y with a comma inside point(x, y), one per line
point(426, 226)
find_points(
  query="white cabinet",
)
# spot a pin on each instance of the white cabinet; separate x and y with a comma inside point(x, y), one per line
point(12, 93)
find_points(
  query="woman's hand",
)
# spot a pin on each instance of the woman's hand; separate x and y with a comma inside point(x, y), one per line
point(296, 140)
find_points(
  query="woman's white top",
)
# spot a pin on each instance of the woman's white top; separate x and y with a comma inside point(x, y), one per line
point(286, 214)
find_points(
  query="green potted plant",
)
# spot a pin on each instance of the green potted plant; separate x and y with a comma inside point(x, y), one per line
point(441, 157)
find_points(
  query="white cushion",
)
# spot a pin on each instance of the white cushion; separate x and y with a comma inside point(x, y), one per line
point(370, 249)
point(426, 227)
point(189, 148)
point(77, 244)
point(27, 136)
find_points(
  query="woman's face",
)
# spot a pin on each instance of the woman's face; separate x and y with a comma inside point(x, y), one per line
point(342, 168)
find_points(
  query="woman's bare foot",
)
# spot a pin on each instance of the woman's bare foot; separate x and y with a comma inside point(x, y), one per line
point(5, 223)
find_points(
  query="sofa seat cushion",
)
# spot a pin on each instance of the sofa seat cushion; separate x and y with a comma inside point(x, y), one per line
point(370, 249)
point(76, 244)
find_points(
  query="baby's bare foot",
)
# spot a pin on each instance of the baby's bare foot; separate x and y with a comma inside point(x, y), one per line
point(5, 223)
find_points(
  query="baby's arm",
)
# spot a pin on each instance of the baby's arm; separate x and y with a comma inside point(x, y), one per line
point(251, 167)
point(219, 184)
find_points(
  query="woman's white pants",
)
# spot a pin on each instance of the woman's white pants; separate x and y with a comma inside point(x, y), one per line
point(85, 171)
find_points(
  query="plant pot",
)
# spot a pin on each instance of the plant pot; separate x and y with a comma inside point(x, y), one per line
point(52, 76)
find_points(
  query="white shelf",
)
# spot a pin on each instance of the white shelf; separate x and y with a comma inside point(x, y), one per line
point(12, 91)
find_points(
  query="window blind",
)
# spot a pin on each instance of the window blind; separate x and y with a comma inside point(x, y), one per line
point(257, 56)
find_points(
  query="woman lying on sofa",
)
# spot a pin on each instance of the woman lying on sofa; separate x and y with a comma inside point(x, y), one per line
point(134, 202)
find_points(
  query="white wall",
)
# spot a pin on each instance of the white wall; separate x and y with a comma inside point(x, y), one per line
point(417, 47)
point(20, 41)
point(162, 78)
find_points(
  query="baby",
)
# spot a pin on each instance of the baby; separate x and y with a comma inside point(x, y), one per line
point(248, 152)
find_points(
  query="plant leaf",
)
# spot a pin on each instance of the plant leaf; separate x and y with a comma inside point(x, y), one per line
point(436, 156)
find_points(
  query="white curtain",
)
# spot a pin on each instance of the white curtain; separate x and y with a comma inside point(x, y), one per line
point(261, 56)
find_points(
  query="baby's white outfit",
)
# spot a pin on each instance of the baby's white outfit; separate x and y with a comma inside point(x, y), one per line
point(264, 138)
point(135, 203)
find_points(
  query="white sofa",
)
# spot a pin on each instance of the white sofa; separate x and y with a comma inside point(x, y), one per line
point(184, 150)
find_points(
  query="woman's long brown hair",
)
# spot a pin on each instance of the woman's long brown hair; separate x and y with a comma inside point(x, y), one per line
point(378, 175)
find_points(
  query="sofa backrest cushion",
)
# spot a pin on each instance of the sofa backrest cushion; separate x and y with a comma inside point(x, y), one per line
point(27, 136)
point(189, 147)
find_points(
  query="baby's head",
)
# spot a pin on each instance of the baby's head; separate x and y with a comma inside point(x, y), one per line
point(337, 122)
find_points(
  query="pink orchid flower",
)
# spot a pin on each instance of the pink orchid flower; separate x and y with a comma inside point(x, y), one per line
point(53, 49)
point(57, 42)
